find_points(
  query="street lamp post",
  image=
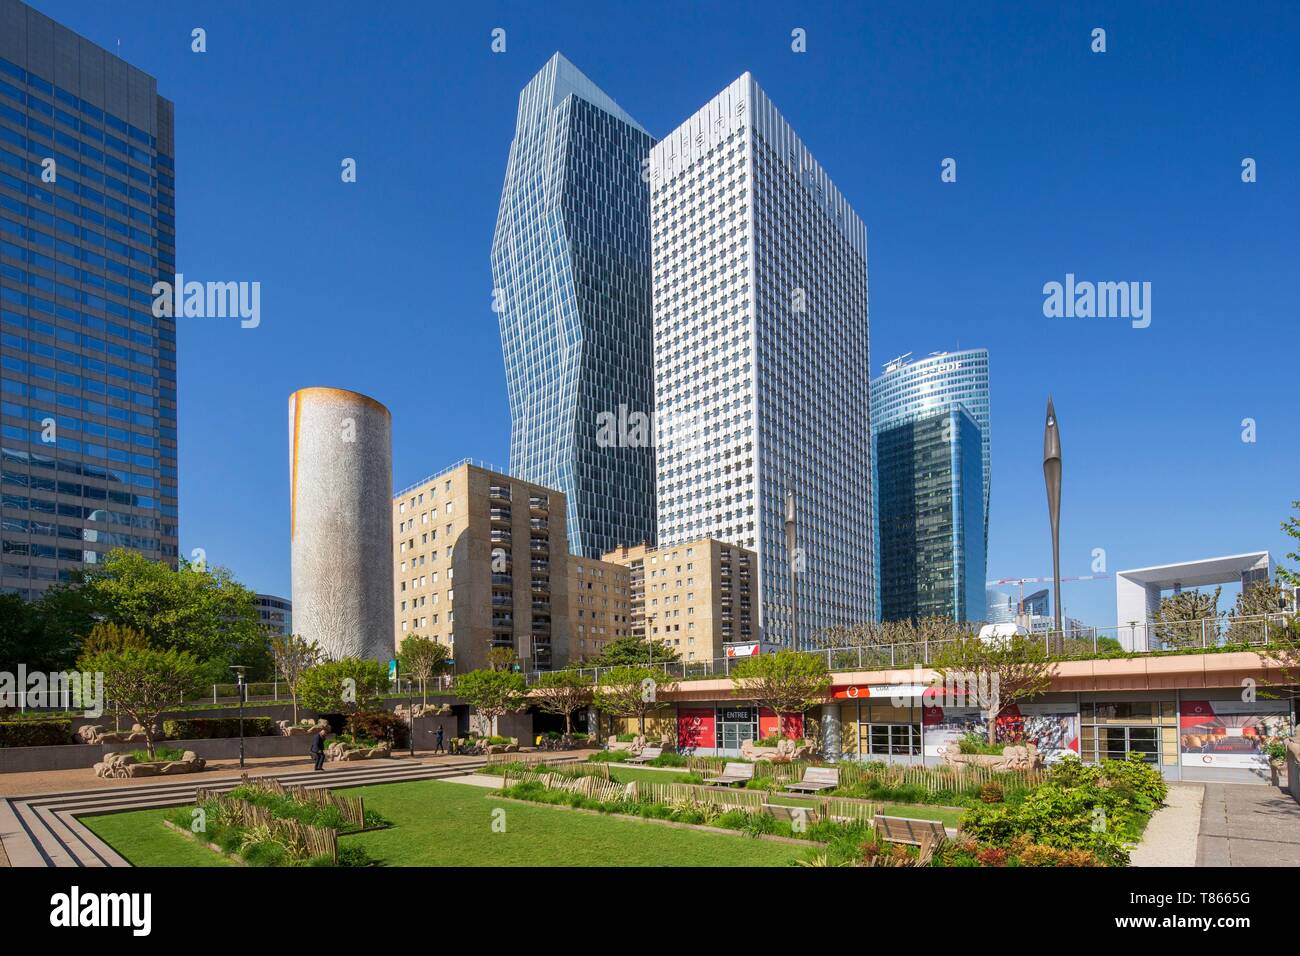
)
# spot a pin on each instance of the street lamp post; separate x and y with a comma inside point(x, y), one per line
point(410, 703)
point(240, 688)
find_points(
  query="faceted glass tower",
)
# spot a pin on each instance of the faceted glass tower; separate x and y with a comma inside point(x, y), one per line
point(571, 266)
point(761, 359)
point(87, 373)
point(930, 488)
point(910, 389)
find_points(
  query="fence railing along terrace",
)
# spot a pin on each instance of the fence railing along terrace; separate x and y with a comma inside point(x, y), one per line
point(1137, 638)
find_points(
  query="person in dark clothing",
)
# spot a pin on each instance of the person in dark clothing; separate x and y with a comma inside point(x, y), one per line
point(318, 748)
point(437, 740)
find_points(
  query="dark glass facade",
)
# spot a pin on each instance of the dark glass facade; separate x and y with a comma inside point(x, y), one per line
point(931, 518)
point(87, 373)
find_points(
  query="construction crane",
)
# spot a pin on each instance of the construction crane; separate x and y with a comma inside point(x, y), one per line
point(1020, 605)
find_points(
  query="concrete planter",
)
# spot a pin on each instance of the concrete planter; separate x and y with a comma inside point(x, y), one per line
point(119, 766)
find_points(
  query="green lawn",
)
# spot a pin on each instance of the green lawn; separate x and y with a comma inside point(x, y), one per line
point(139, 835)
point(449, 824)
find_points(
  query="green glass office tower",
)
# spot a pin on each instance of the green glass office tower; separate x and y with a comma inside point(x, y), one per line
point(571, 267)
point(87, 373)
point(931, 500)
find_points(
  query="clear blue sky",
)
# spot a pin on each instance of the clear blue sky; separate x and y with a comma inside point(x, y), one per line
point(1117, 166)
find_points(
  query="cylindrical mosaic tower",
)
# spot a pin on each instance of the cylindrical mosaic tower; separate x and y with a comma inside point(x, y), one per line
point(341, 521)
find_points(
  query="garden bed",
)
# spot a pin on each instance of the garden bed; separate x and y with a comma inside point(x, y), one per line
point(260, 823)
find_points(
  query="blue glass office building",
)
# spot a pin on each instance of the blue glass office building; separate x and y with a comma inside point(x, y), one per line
point(87, 373)
point(571, 266)
point(931, 500)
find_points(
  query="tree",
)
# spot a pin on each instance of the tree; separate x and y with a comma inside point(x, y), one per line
point(45, 635)
point(1292, 528)
point(294, 656)
point(422, 658)
point(563, 693)
point(205, 612)
point(996, 673)
point(112, 637)
point(346, 686)
point(787, 682)
point(1250, 621)
point(1181, 620)
point(502, 658)
point(144, 681)
point(633, 652)
point(631, 691)
point(493, 693)
point(894, 642)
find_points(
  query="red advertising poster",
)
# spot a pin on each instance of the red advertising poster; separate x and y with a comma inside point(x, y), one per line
point(1229, 733)
point(695, 728)
point(791, 724)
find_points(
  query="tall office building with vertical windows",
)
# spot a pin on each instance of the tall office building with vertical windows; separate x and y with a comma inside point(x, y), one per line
point(930, 489)
point(761, 358)
point(910, 389)
point(87, 373)
point(571, 266)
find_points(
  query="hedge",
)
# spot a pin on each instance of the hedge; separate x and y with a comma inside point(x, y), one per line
point(207, 728)
point(35, 733)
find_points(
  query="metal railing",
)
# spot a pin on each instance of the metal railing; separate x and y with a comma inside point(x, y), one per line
point(1208, 634)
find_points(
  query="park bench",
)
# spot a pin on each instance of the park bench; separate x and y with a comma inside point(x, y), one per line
point(732, 773)
point(910, 830)
point(805, 816)
point(648, 754)
point(816, 779)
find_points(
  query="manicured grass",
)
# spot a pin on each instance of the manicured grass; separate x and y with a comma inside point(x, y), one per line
point(139, 835)
point(449, 824)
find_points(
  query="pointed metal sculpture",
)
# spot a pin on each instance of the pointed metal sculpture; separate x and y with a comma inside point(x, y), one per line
point(1052, 478)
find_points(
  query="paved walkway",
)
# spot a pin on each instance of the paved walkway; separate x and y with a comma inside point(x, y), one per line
point(1249, 825)
point(1171, 836)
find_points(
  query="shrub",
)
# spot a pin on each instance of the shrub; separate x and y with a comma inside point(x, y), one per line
point(992, 792)
point(1137, 777)
point(160, 753)
point(35, 733)
point(209, 728)
point(379, 725)
point(978, 744)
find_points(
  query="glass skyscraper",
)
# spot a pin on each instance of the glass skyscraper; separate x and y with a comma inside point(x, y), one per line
point(911, 389)
point(762, 359)
point(571, 266)
point(87, 373)
point(930, 489)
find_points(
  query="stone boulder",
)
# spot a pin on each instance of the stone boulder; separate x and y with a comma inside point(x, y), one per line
point(1013, 757)
point(337, 752)
point(785, 751)
point(288, 729)
point(96, 734)
point(119, 766)
point(422, 710)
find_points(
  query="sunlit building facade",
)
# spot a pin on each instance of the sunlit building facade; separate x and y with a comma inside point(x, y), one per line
point(571, 269)
point(762, 360)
